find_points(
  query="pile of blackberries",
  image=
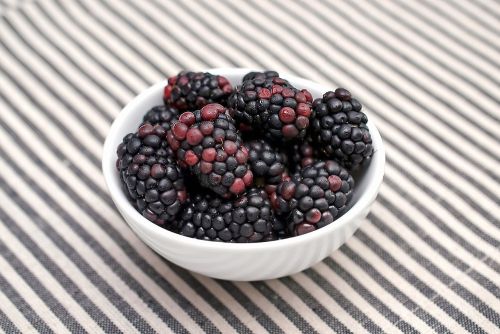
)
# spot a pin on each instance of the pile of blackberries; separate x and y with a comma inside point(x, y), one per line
point(258, 162)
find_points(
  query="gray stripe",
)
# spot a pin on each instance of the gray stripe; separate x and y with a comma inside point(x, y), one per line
point(289, 311)
point(404, 299)
point(7, 326)
point(25, 308)
point(462, 291)
point(382, 308)
point(45, 295)
point(345, 303)
point(426, 290)
point(73, 290)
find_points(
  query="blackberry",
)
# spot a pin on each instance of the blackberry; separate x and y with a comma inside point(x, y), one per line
point(153, 181)
point(314, 197)
point(272, 107)
point(302, 155)
point(265, 161)
point(248, 218)
point(207, 142)
point(339, 128)
point(162, 114)
point(193, 90)
point(260, 75)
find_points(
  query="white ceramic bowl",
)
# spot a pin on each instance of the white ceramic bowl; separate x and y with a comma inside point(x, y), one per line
point(240, 262)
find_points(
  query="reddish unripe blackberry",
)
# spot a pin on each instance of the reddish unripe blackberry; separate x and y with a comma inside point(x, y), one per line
point(152, 179)
point(193, 90)
point(248, 218)
point(266, 162)
point(272, 107)
point(260, 75)
point(207, 142)
point(314, 196)
point(339, 128)
point(163, 115)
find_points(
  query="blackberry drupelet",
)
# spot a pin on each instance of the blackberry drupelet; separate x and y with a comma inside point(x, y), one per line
point(266, 161)
point(150, 175)
point(207, 142)
point(193, 90)
point(162, 114)
point(260, 75)
point(313, 197)
point(339, 128)
point(272, 107)
point(248, 218)
point(302, 155)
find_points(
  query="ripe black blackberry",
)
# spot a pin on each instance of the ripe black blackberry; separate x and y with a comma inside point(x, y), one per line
point(260, 75)
point(207, 142)
point(193, 90)
point(314, 196)
point(272, 107)
point(266, 161)
point(339, 128)
point(248, 218)
point(150, 175)
point(302, 155)
point(162, 114)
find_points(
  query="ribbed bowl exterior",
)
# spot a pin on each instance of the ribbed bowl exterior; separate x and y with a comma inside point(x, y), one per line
point(240, 262)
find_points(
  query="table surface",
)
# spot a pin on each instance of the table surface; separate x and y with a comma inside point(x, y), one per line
point(427, 257)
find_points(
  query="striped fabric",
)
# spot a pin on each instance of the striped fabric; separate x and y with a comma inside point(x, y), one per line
point(427, 258)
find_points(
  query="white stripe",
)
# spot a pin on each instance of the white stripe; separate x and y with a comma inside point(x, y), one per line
point(298, 304)
point(72, 51)
point(162, 38)
point(329, 303)
point(407, 34)
point(437, 259)
point(352, 295)
point(16, 317)
point(482, 22)
point(266, 306)
point(93, 259)
point(149, 73)
point(384, 72)
point(46, 279)
point(403, 103)
point(111, 216)
point(425, 276)
point(53, 79)
point(156, 56)
point(395, 279)
point(431, 229)
point(378, 291)
point(492, 6)
point(102, 56)
point(457, 31)
point(47, 101)
point(231, 303)
point(453, 199)
point(30, 297)
point(448, 44)
point(414, 72)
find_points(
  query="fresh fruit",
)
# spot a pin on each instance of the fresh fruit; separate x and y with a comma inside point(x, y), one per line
point(248, 218)
point(193, 90)
point(302, 155)
point(272, 107)
point(339, 128)
point(207, 142)
point(150, 175)
point(266, 161)
point(163, 115)
point(314, 196)
point(260, 75)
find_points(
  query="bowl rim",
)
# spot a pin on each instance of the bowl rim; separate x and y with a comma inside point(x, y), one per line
point(122, 203)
